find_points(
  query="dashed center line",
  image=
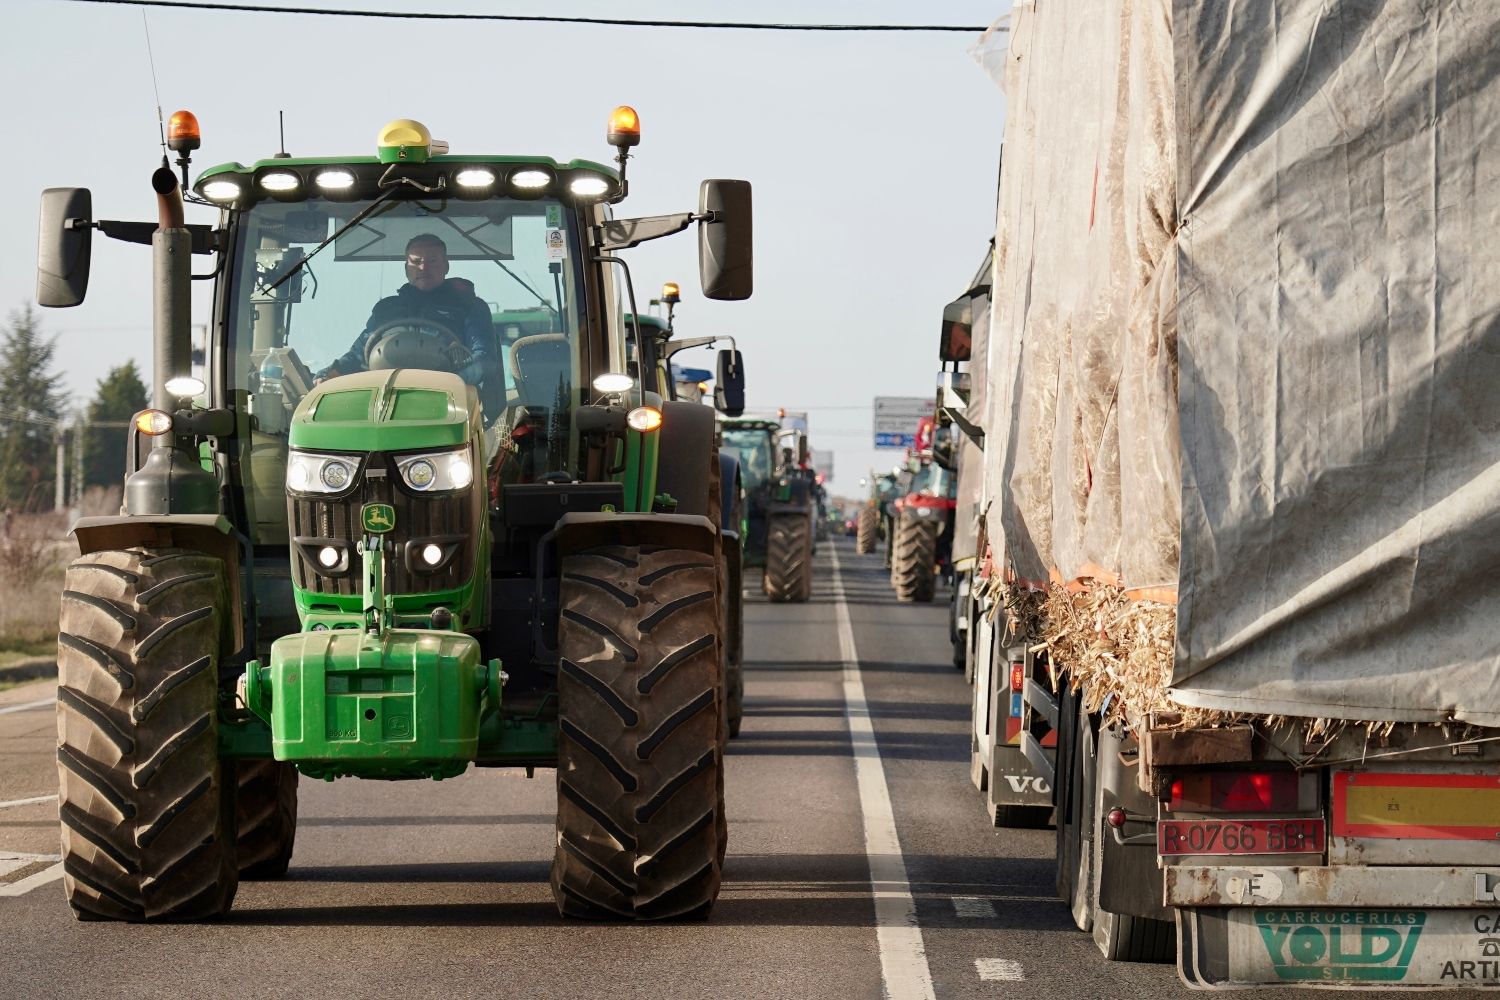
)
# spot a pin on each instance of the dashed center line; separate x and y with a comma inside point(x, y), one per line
point(27, 706)
point(973, 908)
point(36, 801)
point(30, 882)
point(999, 970)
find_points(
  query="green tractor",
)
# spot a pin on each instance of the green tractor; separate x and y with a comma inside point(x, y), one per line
point(464, 535)
point(779, 508)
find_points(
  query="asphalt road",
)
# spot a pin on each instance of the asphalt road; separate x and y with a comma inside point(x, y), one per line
point(858, 867)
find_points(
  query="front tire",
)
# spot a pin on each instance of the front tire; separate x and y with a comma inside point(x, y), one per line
point(147, 807)
point(266, 811)
point(640, 810)
point(916, 558)
point(866, 530)
point(789, 558)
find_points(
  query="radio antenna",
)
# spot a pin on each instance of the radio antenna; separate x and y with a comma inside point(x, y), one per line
point(161, 127)
point(281, 127)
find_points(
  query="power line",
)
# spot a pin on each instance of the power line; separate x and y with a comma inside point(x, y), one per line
point(245, 8)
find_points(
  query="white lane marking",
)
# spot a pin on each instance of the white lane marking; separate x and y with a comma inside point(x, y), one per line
point(27, 706)
point(973, 908)
point(38, 800)
point(903, 958)
point(30, 882)
point(999, 970)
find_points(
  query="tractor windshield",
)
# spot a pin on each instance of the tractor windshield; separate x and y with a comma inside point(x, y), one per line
point(489, 290)
point(753, 445)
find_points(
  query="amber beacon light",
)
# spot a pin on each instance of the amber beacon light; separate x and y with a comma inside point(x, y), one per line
point(624, 126)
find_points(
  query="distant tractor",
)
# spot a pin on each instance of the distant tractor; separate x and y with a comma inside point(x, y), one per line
point(467, 535)
point(780, 504)
point(923, 523)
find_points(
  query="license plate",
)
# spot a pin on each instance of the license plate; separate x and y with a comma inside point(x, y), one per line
point(1240, 836)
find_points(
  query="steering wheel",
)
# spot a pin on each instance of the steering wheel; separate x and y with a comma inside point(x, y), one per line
point(415, 342)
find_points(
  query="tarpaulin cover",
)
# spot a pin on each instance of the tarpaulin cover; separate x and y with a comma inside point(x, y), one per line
point(1246, 339)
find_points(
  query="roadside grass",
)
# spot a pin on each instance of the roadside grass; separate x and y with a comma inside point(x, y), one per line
point(34, 549)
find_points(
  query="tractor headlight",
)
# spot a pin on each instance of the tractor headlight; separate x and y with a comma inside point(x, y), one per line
point(310, 473)
point(437, 472)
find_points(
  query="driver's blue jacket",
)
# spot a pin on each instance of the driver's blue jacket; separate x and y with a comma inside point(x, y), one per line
point(454, 305)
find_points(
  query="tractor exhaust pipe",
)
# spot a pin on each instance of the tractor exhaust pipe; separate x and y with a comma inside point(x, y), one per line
point(171, 480)
point(171, 252)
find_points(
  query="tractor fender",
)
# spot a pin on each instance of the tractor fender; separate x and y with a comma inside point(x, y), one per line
point(687, 441)
point(729, 493)
point(587, 529)
point(211, 534)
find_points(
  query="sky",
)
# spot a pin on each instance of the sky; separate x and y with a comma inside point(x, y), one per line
point(873, 157)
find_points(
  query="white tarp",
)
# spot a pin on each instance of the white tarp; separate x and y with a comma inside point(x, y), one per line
point(1246, 339)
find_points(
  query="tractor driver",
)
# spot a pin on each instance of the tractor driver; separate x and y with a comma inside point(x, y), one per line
point(430, 294)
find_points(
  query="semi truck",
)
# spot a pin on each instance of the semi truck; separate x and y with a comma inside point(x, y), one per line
point(1239, 472)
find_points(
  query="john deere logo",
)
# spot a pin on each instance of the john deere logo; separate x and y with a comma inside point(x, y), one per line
point(378, 518)
point(1341, 945)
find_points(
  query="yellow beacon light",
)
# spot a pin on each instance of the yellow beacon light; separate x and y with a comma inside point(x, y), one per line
point(671, 293)
point(404, 141)
point(183, 132)
point(624, 126)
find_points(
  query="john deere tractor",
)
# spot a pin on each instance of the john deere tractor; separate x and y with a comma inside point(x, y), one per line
point(779, 503)
point(386, 541)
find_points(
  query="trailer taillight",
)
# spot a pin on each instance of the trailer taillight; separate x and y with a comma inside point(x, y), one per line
point(1238, 792)
point(1017, 676)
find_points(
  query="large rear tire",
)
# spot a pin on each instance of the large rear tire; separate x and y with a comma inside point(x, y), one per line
point(147, 807)
point(266, 812)
point(789, 558)
point(912, 573)
point(641, 827)
point(866, 530)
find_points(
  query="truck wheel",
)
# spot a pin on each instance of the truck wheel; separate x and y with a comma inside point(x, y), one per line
point(789, 558)
point(916, 558)
point(265, 806)
point(640, 809)
point(147, 807)
point(1124, 937)
point(866, 530)
point(1074, 798)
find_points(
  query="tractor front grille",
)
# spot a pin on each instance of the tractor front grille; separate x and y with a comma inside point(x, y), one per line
point(418, 516)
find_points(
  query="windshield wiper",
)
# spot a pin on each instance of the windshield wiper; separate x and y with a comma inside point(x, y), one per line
point(361, 216)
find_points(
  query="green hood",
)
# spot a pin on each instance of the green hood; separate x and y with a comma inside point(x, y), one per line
point(395, 410)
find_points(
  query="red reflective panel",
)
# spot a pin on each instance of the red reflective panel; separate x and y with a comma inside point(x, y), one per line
point(1017, 676)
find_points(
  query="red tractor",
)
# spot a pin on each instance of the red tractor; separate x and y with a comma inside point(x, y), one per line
point(922, 529)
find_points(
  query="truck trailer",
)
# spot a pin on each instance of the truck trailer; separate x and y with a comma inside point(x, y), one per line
point(1240, 479)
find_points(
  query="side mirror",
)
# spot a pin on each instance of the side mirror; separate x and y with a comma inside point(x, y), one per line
point(62, 246)
point(729, 384)
point(958, 330)
point(724, 245)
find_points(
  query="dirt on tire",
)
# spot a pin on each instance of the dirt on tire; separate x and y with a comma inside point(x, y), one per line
point(145, 802)
point(641, 829)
